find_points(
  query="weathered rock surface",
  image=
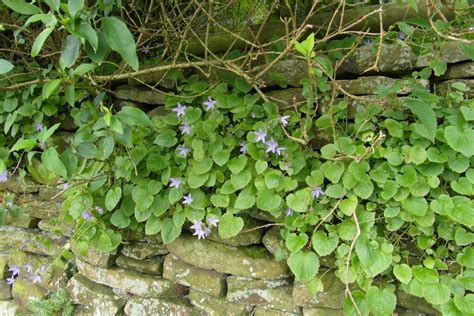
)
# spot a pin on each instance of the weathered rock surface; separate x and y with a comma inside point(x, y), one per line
point(151, 266)
point(98, 298)
point(459, 71)
point(444, 87)
point(130, 236)
point(318, 311)
point(272, 239)
point(59, 228)
point(331, 297)
point(30, 240)
point(285, 72)
point(152, 306)
point(370, 85)
point(208, 255)
point(415, 303)
point(16, 184)
point(47, 193)
point(286, 99)
point(207, 281)
point(249, 236)
point(142, 250)
point(263, 311)
point(273, 294)
point(41, 209)
point(452, 52)
point(25, 292)
point(9, 308)
point(142, 95)
point(4, 257)
point(5, 291)
point(158, 78)
point(23, 221)
point(95, 257)
point(132, 282)
point(216, 306)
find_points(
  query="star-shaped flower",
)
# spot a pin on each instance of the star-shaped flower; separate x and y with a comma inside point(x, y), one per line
point(10, 281)
point(280, 150)
point(174, 182)
point(272, 146)
point(317, 192)
point(261, 135)
point(4, 176)
point(243, 148)
point(196, 225)
point(212, 221)
point(284, 120)
point(289, 212)
point(39, 127)
point(188, 199)
point(87, 216)
point(185, 129)
point(36, 278)
point(202, 233)
point(183, 151)
point(28, 267)
point(179, 110)
point(15, 270)
point(210, 103)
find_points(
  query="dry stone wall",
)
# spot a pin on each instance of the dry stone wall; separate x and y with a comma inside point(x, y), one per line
point(235, 276)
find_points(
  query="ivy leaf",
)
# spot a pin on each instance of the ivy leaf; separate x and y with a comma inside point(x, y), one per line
point(50, 87)
point(23, 144)
point(260, 166)
point(220, 200)
point(460, 140)
point(349, 205)
point(268, 201)
point(112, 198)
point(245, 200)
point(5, 66)
point(152, 226)
point(236, 165)
point(304, 265)
point(415, 205)
point(295, 242)
point(299, 201)
point(134, 116)
point(424, 112)
point(169, 231)
point(324, 244)
point(119, 219)
point(120, 40)
point(381, 302)
point(51, 161)
point(403, 273)
point(436, 293)
point(230, 225)
point(372, 255)
point(272, 179)
point(240, 181)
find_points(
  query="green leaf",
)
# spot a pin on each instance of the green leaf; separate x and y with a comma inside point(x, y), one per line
point(335, 191)
point(70, 50)
point(460, 140)
point(324, 244)
point(242, 85)
point(51, 161)
point(465, 303)
point(375, 258)
point(119, 219)
point(50, 87)
point(120, 40)
point(22, 7)
point(220, 200)
point(436, 293)
point(166, 139)
point(112, 198)
point(349, 205)
point(268, 201)
point(197, 180)
point(245, 200)
point(203, 166)
point(134, 116)
point(299, 201)
point(169, 231)
point(424, 112)
point(83, 69)
point(85, 31)
point(5, 66)
point(415, 205)
point(230, 226)
point(241, 180)
point(304, 265)
point(75, 6)
point(236, 165)
point(153, 225)
point(23, 144)
point(403, 273)
point(381, 302)
point(295, 242)
point(272, 179)
point(466, 258)
point(333, 170)
point(260, 166)
point(40, 39)
point(221, 157)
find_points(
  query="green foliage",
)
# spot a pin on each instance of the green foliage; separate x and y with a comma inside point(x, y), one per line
point(58, 303)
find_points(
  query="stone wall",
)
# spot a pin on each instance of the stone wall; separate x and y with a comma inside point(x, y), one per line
point(236, 276)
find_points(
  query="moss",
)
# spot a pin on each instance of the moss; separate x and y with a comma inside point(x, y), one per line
point(255, 252)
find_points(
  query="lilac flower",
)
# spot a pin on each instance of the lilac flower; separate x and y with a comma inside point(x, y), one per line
point(210, 103)
point(260, 135)
point(367, 42)
point(285, 167)
point(39, 127)
point(317, 192)
point(289, 212)
point(87, 216)
point(175, 182)
point(280, 150)
point(200, 231)
point(196, 225)
point(284, 120)
point(10, 281)
point(179, 110)
point(243, 148)
point(43, 268)
point(65, 186)
point(183, 151)
point(402, 36)
point(185, 129)
point(146, 49)
point(4, 176)
point(212, 221)
point(272, 146)
point(15, 270)
point(28, 267)
point(188, 199)
point(36, 278)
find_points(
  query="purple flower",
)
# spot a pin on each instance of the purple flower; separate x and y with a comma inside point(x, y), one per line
point(243, 148)
point(87, 216)
point(15, 270)
point(272, 146)
point(185, 129)
point(284, 120)
point(210, 103)
point(36, 278)
point(402, 36)
point(39, 127)
point(175, 182)
point(289, 212)
point(196, 225)
point(65, 186)
point(179, 110)
point(4, 176)
point(146, 49)
point(28, 267)
point(201, 232)
point(183, 151)
point(212, 221)
point(260, 135)
point(280, 150)
point(10, 281)
point(367, 42)
point(188, 199)
point(317, 192)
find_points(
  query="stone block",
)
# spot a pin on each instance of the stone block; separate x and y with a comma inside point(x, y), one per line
point(452, 52)
point(207, 281)
point(414, 303)
point(41, 209)
point(4, 265)
point(460, 71)
point(150, 266)
point(263, 311)
point(49, 193)
point(98, 298)
point(9, 308)
point(152, 306)
point(208, 254)
point(57, 227)
point(273, 294)
point(95, 257)
point(370, 85)
point(139, 94)
point(16, 184)
point(332, 296)
point(30, 240)
point(444, 87)
point(284, 72)
point(24, 291)
point(249, 236)
point(5, 290)
point(130, 281)
point(319, 311)
point(272, 239)
point(143, 250)
point(130, 235)
point(217, 306)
